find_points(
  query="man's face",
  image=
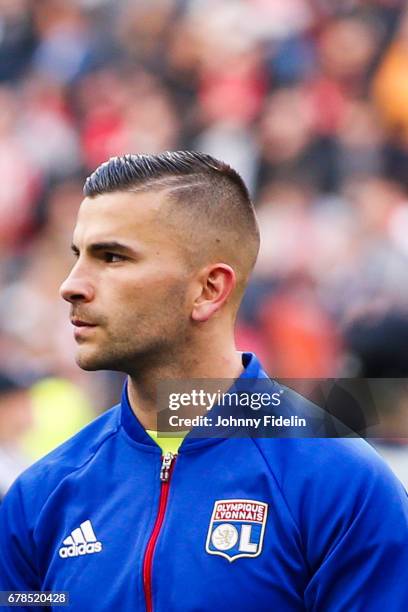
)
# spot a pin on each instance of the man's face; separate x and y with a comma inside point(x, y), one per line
point(128, 286)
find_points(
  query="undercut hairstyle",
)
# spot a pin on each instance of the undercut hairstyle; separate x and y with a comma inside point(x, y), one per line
point(208, 200)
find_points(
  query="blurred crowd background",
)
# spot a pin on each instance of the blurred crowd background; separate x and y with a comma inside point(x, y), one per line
point(307, 99)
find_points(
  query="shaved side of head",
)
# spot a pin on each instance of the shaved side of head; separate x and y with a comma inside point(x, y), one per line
point(217, 225)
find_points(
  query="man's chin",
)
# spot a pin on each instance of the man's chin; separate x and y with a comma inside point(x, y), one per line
point(91, 363)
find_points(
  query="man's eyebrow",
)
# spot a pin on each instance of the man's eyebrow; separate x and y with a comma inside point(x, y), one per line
point(110, 245)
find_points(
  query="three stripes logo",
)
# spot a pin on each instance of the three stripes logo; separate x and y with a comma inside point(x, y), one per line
point(82, 541)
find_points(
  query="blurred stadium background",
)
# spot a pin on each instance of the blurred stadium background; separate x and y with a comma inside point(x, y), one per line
point(308, 99)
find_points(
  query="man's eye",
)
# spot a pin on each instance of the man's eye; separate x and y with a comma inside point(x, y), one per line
point(113, 257)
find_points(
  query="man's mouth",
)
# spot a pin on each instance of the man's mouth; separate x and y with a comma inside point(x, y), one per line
point(81, 323)
point(83, 329)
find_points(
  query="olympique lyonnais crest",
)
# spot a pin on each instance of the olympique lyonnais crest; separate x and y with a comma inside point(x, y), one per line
point(237, 528)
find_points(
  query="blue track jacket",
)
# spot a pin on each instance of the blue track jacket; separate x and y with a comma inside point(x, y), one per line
point(244, 525)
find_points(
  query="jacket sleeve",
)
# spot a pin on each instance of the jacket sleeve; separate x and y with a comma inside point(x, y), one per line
point(17, 551)
point(365, 565)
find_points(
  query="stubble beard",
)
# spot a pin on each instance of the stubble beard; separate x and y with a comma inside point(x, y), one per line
point(133, 358)
point(155, 341)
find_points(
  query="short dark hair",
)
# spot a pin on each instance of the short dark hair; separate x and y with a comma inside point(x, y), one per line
point(209, 193)
point(124, 172)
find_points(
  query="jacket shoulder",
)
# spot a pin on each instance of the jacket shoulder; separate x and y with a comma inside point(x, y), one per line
point(334, 462)
point(335, 486)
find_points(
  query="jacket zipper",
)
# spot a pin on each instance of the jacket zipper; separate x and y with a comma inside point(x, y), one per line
point(165, 477)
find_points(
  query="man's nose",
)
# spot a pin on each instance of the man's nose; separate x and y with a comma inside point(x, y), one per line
point(76, 289)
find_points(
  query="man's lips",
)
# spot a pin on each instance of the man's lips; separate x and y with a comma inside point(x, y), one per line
point(82, 328)
point(81, 323)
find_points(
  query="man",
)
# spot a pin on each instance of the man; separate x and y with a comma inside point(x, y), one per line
point(164, 246)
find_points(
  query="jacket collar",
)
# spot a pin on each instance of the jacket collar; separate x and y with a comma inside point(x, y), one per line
point(136, 431)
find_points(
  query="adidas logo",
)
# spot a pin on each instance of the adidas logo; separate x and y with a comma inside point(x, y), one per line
point(82, 541)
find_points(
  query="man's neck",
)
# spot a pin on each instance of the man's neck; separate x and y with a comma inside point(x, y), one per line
point(142, 388)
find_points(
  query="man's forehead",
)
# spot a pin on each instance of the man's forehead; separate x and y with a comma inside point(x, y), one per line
point(124, 204)
point(119, 212)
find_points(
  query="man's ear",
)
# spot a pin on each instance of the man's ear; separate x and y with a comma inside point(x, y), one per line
point(216, 283)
